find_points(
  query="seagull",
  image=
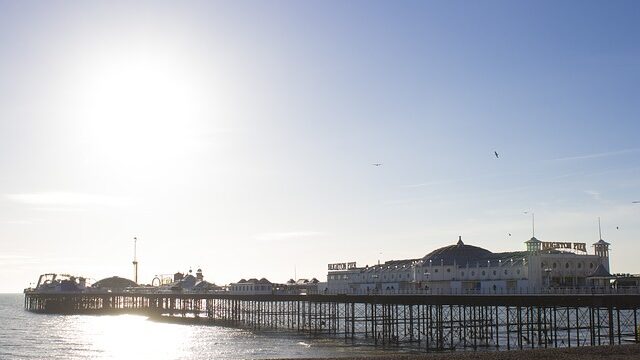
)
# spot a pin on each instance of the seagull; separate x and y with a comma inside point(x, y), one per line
point(509, 234)
point(496, 154)
point(617, 228)
point(377, 164)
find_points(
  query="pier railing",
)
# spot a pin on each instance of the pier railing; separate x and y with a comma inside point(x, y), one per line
point(436, 322)
point(523, 291)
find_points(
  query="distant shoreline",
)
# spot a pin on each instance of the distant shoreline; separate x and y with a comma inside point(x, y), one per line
point(615, 352)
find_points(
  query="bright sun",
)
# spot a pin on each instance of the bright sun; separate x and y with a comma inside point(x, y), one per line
point(138, 110)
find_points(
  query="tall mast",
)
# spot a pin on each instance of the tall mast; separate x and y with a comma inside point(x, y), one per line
point(135, 260)
point(533, 224)
point(599, 228)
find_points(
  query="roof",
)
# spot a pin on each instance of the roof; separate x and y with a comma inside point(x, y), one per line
point(205, 285)
point(460, 253)
point(601, 242)
point(254, 281)
point(533, 240)
point(114, 282)
point(601, 272)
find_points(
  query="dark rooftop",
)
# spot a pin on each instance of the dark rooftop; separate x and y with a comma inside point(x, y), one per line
point(460, 253)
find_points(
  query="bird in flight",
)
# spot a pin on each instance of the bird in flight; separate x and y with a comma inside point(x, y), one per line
point(509, 234)
point(617, 227)
point(496, 154)
point(377, 164)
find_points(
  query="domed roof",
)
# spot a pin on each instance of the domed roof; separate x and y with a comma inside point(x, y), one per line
point(460, 253)
point(114, 282)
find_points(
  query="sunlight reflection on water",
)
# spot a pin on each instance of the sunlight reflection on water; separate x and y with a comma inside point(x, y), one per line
point(38, 336)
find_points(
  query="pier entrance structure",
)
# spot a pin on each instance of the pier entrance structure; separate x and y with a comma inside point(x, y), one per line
point(466, 269)
point(436, 322)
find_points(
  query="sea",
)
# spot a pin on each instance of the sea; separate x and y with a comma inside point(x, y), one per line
point(25, 335)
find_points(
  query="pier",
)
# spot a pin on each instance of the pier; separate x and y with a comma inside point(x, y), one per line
point(426, 322)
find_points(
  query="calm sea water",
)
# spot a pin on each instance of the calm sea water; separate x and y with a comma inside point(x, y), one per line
point(24, 335)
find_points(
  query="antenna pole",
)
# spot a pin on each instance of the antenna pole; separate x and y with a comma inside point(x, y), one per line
point(533, 224)
point(599, 228)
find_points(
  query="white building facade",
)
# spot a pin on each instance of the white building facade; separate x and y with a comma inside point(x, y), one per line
point(467, 269)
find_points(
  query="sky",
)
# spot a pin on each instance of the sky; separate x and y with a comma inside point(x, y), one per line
point(239, 136)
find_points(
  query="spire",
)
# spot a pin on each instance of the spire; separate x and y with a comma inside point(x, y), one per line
point(460, 243)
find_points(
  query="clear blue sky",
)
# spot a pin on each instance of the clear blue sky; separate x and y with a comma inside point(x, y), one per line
point(239, 136)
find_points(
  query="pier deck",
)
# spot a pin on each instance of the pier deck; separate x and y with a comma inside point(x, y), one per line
point(428, 322)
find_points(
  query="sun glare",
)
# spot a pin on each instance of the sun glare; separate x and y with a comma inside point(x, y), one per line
point(138, 110)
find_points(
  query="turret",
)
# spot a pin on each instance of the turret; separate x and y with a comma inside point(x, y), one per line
point(533, 245)
point(601, 248)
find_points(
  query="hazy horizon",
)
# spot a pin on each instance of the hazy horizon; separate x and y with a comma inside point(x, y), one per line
point(239, 137)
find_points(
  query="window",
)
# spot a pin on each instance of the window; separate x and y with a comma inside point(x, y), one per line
point(555, 265)
point(566, 265)
point(506, 272)
point(448, 270)
point(473, 273)
point(494, 272)
point(462, 273)
point(579, 265)
point(484, 273)
point(591, 266)
point(518, 272)
point(542, 264)
point(436, 270)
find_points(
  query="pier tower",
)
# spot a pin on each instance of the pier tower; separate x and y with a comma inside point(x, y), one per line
point(601, 248)
point(533, 245)
point(135, 260)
